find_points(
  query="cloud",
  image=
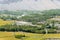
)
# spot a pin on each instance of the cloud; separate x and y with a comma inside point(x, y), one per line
point(1, 0)
point(31, 5)
point(8, 1)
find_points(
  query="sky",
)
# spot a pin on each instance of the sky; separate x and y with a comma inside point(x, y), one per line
point(29, 4)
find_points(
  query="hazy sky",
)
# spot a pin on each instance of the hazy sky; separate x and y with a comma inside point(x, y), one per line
point(29, 4)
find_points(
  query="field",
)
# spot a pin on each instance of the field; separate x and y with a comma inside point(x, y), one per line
point(29, 36)
point(2, 22)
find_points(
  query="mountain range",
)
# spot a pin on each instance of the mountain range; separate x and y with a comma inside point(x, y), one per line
point(29, 4)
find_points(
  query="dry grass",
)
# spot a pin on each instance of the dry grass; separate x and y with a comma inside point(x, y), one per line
point(29, 36)
point(2, 22)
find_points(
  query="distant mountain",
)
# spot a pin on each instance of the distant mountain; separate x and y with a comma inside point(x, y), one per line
point(8, 1)
point(29, 4)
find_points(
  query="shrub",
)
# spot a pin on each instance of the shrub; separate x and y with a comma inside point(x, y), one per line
point(52, 31)
point(19, 36)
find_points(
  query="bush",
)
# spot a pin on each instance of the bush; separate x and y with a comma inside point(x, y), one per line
point(2, 29)
point(52, 31)
point(19, 36)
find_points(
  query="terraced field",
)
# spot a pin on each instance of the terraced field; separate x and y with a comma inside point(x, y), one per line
point(29, 36)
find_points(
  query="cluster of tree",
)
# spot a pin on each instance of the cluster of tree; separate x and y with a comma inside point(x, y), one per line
point(52, 13)
point(26, 28)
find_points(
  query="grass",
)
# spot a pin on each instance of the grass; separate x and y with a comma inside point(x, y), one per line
point(10, 36)
point(29, 36)
point(2, 22)
point(7, 36)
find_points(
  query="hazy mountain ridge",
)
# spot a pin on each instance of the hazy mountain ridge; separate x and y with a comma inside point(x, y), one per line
point(29, 4)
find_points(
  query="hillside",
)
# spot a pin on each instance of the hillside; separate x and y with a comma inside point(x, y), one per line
point(29, 15)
